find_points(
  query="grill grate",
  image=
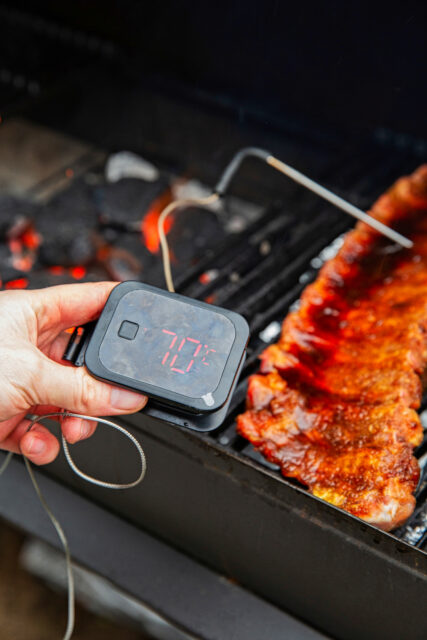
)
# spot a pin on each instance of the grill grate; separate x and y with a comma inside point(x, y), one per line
point(263, 271)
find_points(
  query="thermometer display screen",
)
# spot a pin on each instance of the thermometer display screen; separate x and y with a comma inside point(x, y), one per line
point(166, 342)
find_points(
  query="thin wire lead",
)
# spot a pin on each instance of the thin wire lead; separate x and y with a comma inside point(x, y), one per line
point(187, 202)
point(68, 563)
point(61, 535)
point(34, 419)
point(92, 479)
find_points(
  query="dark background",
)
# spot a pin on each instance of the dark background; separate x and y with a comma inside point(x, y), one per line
point(354, 65)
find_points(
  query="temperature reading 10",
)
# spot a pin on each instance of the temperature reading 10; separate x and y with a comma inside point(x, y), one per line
point(182, 352)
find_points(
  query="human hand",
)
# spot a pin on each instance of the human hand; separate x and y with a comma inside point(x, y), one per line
point(33, 377)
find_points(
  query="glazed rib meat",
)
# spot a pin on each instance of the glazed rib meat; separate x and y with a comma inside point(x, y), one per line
point(334, 402)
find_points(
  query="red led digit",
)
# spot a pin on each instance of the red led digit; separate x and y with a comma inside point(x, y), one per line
point(171, 333)
point(195, 354)
point(206, 354)
point(174, 358)
point(165, 357)
point(181, 345)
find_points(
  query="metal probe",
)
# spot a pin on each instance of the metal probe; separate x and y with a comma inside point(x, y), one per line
point(224, 182)
point(339, 202)
point(313, 186)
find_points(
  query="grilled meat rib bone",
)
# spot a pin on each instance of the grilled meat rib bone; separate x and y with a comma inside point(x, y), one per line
point(334, 402)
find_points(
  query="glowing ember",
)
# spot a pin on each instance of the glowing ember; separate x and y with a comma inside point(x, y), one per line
point(30, 238)
point(149, 222)
point(78, 272)
point(19, 283)
point(204, 278)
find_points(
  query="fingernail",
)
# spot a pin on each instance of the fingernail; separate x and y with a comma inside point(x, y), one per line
point(36, 445)
point(85, 429)
point(122, 399)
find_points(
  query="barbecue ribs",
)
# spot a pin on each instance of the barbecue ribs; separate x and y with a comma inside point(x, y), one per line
point(334, 402)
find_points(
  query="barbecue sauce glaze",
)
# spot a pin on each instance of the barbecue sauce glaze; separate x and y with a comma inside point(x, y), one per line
point(334, 402)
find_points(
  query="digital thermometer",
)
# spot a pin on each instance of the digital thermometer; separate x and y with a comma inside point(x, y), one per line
point(183, 354)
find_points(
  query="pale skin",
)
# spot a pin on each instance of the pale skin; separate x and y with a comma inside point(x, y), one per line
point(35, 379)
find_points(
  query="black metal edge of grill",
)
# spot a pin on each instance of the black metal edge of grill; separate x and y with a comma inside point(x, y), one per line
point(260, 530)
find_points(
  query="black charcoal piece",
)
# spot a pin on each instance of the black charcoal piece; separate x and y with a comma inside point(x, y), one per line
point(193, 232)
point(126, 201)
point(123, 255)
point(67, 225)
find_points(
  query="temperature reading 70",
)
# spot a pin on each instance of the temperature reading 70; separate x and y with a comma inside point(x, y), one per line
point(182, 352)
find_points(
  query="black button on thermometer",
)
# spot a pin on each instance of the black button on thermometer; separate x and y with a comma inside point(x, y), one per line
point(184, 354)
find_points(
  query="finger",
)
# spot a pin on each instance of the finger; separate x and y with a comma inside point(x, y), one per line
point(7, 427)
point(11, 443)
point(75, 429)
point(74, 389)
point(38, 445)
point(57, 348)
point(68, 305)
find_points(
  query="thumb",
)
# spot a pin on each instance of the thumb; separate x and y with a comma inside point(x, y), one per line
point(76, 390)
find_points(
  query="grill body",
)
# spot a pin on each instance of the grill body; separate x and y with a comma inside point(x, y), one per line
point(214, 497)
point(332, 570)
